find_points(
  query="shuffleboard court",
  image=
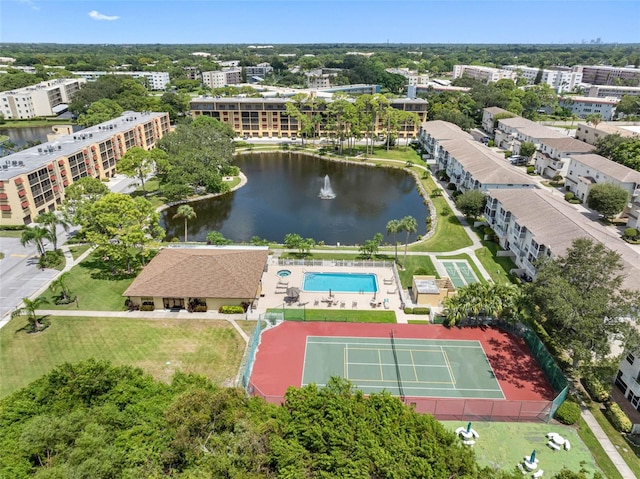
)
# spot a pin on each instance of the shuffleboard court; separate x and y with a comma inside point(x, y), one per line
point(403, 367)
point(459, 271)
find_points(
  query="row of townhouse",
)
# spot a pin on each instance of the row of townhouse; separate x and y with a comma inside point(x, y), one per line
point(154, 80)
point(468, 163)
point(42, 99)
point(268, 118)
point(33, 181)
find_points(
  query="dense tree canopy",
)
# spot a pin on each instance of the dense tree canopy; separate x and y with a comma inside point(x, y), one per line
point(623, 150)
point(607, 199)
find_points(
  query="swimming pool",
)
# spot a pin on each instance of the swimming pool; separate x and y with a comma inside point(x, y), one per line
point(341, 282)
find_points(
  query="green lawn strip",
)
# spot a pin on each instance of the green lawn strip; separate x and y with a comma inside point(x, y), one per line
point(413, 264)
point(95, 287)
point(498, 267)
point(503, 445)
point(623, 447)
point(470, 261)
point(11, 233)
point(160, 347)
point(76, 251)
point(418, 321)
point(601, 457)
point(247, 325)
point(337, 315)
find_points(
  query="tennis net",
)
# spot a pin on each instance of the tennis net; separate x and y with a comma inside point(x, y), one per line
point(395, 359)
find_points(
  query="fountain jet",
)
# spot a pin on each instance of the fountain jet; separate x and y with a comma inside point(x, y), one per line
point(326, 193)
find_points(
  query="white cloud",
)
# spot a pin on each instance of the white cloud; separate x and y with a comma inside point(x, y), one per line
point(100, 16)
point(30, 4)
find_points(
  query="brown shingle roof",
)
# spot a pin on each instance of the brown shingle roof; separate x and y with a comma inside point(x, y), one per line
point(206, 272)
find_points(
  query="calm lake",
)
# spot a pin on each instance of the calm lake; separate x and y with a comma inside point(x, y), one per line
point(281, 197)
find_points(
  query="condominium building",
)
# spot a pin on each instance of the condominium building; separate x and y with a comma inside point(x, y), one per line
point(611, 91)
point(413, 77)
point(561, 79)
point(583, 106)
point(268, 118)
point(33, 181)
point(533, 224)
point(591, 134)
point(259, 70)
point(608, 75)
point(512, 132)
point(469, 164)
point(553, 155)
point(222, 78)
point(628, 382)
point(483, 74)
point(488, 117)
point(42, 99)
point(154, 80)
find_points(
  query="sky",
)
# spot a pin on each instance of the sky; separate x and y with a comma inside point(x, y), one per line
point(319, 21)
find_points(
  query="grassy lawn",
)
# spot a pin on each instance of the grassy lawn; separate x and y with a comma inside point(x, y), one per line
point(76, 251)
point(497, 266)
point(503, 445)
point(96, 289)
point(418, 321)
point(471, 263)
point(450, 234)
point(159, 347)
point(338, 315)
point(625, 450)
point(11, 233)
point(247, 326)
point(601, 457)
point(415, 263)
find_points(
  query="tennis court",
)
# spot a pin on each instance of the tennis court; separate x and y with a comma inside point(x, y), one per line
point(459, 271)
point(403, 367)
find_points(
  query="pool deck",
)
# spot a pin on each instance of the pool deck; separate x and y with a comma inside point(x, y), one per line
point(274, 290)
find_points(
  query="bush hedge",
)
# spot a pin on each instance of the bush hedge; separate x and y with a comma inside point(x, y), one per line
point(569, 196)
point(595, 388)
point(147, 307)
point(568, 413)
point(421, 310)
point(618, 418)
point(231, 309)
point(408, 310)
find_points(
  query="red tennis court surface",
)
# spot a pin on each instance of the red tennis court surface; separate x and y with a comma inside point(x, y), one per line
point(280, 359)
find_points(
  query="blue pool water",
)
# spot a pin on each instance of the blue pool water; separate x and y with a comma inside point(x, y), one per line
point(340, 282)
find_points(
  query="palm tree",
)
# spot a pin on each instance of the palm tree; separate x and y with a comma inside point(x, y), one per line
point(61, 284)
point(186, 212)
point(35, 235)
point(50, 221)
point(29, 309)
point(409, 225)
point(393, 227)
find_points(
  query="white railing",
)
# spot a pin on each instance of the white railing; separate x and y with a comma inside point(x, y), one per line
point(339, 263)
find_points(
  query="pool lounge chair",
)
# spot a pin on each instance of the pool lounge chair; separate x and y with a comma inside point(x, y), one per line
point(388, 281)
point(354, 304)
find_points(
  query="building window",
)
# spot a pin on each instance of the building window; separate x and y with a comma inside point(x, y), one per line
point(630, 358)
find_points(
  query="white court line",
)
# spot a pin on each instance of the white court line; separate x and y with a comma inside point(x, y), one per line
point(424, 388)
point(407, 365)
point(413, 347)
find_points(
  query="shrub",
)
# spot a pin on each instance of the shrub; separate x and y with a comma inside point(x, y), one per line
point(568, 413)
point(51, 259)
point(408, 310)
point(231, 309)
point(595, 388)
point(13, 227)
point(618, 418)
point(575, 201)
point(456, 193)
point(451, 186)
point(508, 153)
point(569, 196)
point(446, 211)
point(201, 308)
point(491, 143)
point(147, 307)
point(631, 234)
point(421, 310)
point(531, 169)
point(556, 178)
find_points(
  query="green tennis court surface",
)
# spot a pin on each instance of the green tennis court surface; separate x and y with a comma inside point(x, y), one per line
point(424, 367)
point(459, 271)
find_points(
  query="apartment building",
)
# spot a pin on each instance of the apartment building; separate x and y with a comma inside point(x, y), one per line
point(608, 75)
point(488, 117)
point(413, 77)
point(583, 106)
point(260, 70)
point(591, 169)
point(610, 91)
point(591, 134)
point(38, 100)
point(533, 224)
point(33, 181)
point(321, 77)
point(267, 117)
point(483, 74)
point(469, 164)
point(512, 132)
point(222, 78)
point(628, 383)
point(561, 79)
point(553, 155)
point(153, 80)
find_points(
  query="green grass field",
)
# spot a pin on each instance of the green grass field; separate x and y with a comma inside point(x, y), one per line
point(160, 347)
point(95, 287)
point(337, 315)
point(503, 445)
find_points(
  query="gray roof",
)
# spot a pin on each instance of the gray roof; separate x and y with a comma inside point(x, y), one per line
point(495, 110)
point(531, 128)
point(622, 173)
point(443, 130)
point(427, 286)
point(567, 144)
point(556, 224)
point(31, 159)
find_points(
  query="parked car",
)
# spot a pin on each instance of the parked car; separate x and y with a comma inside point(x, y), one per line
point(518, 160)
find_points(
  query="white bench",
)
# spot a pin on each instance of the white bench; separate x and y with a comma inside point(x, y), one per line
point(553, 446)
point(538, 474)
point(551, 435)
point(567, 446)
point(469, 442)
